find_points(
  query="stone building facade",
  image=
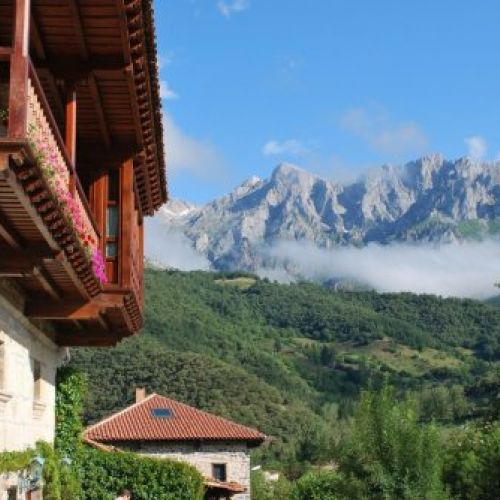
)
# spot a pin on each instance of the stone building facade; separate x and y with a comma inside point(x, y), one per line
point(28, 363)
point(204, 456)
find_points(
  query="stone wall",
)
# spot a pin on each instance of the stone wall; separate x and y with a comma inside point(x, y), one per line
point(234, 455)
point(26, 407)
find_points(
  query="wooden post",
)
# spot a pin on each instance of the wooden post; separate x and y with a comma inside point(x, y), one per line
point(126, 216)
point(19, 71)
point(70, 136)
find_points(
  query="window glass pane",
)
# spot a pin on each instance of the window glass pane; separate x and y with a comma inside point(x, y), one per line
point(219, 472)
point(112, 222)
point(111, 249)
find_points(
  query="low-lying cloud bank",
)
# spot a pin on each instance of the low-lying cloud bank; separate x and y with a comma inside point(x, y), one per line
point(460, 269)
point(171, 248)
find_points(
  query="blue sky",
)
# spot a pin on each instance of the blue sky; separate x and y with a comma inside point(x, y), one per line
point(335, 86)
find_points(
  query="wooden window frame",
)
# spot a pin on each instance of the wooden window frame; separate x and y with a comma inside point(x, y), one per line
point(116, 259)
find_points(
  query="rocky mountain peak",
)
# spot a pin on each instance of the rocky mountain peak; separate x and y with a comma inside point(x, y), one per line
point(427, 200)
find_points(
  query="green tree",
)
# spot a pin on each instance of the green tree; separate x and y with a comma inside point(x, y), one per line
point(393, 455)
point(473, 461)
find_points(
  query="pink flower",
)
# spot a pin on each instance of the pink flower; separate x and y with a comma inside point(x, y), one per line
point(56, 174)
point(98, 266)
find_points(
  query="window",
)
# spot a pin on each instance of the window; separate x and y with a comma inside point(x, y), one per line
point(162, 413)
point(219, 472)
point(113, 224)
point(112, 217)
point(37, 380)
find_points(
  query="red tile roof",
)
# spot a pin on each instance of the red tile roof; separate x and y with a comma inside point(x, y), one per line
point(231, 487)
point(137, 423)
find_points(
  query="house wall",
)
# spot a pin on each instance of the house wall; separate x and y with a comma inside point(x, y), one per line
point(26, 408)
point(235, 455)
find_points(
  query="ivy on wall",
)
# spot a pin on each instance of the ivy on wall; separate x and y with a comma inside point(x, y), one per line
point(12, 461)
point(74, 471)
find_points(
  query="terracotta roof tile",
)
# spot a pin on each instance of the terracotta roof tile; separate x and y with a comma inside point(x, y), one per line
point(185, 423)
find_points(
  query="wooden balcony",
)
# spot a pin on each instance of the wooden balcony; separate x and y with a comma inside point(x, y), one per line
point(81, 162)
point(49, 235)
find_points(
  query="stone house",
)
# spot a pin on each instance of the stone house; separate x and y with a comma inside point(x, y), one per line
point(81, 166)
point(163, 428)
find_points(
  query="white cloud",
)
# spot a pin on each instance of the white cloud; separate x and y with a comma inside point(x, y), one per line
point(375, 127)
point(290, 146)
point(168, 247)
point(466, 270)
point(166, 91)
point(477, 147)
point(228, 8)
point(186, 154)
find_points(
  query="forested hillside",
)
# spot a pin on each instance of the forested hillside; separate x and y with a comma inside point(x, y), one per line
point(292, 359)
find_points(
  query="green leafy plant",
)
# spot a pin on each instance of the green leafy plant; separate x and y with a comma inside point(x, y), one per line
point(12, 461)
point(105, 473)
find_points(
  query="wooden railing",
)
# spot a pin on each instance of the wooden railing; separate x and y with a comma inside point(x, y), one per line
point(44, 133)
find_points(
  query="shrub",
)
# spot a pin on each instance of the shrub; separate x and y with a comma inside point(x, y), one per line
point(393, 455)
point(105, 473)
point(327, 485)
point(473, 461)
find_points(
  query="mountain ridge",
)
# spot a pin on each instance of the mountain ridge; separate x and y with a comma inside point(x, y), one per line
point(429, 200)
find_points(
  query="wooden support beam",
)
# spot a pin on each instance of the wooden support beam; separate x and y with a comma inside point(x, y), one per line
point(126, 216)
point(77, 24)
point(19, 70)
point(72, 309)
point(8, 233)
point(95, 337)
point(36, 40)
point(15, 266)
point(101, 117)
point(129, 72)
point(78, 69)
point(122, 17)
point(18, 263)
point(113, 157)
point(46, 282)
point(62, 310)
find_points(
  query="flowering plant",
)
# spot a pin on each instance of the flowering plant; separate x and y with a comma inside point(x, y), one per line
point(54, 170)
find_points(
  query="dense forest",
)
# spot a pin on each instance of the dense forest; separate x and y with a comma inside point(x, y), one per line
point(291, 360)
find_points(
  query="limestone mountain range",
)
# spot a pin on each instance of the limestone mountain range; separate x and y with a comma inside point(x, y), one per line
point(430, 200)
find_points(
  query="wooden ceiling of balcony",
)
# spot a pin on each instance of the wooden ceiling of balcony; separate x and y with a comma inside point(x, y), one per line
point(107, 48)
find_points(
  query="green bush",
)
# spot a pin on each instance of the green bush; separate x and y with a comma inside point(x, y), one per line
point(472, 462)
point(12, 461)
point(391, 453)
point(105, 473)
point(327, 485)
point(269, 490)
